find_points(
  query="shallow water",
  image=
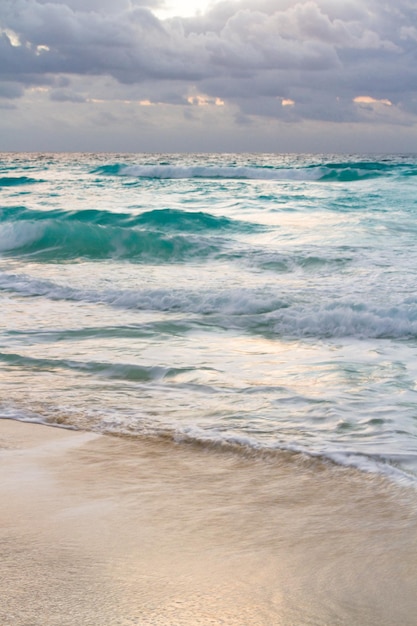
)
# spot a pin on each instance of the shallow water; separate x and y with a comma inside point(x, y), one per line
point(265, 301)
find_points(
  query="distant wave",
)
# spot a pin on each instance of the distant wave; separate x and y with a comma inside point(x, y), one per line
point(331, 172)
point(360, 170)
point(207, 171)
point(15, 181)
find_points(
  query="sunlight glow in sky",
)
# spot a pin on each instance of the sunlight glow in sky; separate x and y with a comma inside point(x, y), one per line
point(183, 8)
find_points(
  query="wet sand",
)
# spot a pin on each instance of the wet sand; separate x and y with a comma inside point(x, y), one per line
point(105, 531)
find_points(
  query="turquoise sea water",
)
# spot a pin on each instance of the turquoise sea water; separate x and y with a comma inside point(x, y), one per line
point(257, 301)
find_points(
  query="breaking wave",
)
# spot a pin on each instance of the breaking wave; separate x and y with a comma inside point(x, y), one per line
point(164, 235)
point(330, 172)
point(249, 310)
point(53, 241)
point(205, 171)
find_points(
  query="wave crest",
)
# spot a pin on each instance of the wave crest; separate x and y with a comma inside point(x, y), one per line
point(51, 241)
point(207, 172)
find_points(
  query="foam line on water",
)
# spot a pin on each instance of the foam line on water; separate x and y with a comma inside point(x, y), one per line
point(253, 310)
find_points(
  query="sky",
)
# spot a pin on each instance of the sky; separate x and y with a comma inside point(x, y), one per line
point(208, 76)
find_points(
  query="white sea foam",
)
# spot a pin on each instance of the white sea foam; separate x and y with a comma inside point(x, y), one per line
point(338, 319)
point(17, 235)
point(22, 415)
point(364, 462)
point(230, 302)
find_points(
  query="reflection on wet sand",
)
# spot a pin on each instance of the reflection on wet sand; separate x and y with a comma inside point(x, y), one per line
point(106, 531)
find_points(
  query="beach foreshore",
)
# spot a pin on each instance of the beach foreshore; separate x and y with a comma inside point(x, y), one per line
point(104, 531)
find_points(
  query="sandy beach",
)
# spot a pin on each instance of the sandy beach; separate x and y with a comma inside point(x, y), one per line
point(105, 531)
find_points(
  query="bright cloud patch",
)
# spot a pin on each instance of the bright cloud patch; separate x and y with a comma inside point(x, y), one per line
point(203, 100)
point(370, 100)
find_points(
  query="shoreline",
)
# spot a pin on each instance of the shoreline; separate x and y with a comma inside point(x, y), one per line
point(103, 530)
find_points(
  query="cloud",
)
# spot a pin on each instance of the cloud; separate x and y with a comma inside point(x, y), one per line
point(252, 54)
point(60, 95)
point(106, 6)
point(11, 90)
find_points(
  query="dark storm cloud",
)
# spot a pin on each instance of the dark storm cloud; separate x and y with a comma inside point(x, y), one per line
point(319, 53)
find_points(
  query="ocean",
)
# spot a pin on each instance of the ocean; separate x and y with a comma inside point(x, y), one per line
point(262, 306)
point(262, 301)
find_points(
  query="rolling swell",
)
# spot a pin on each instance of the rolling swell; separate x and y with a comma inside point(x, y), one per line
point(172, 219)
point(162, 328)
point(117, 371)
point(165, 220)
